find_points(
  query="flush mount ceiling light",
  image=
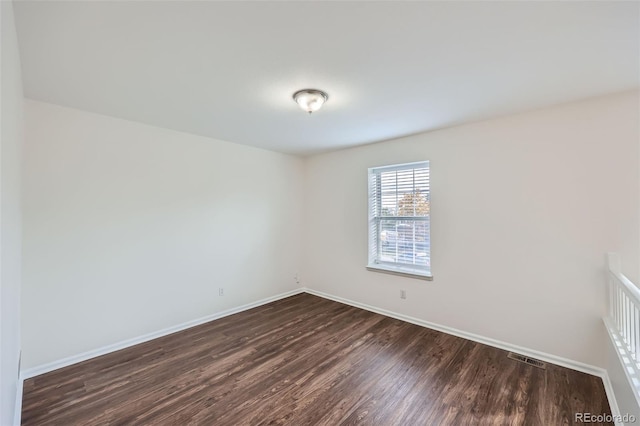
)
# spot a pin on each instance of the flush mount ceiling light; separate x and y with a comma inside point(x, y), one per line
point(310, 100)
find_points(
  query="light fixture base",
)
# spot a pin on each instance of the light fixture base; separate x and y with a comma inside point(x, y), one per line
point(310, 100)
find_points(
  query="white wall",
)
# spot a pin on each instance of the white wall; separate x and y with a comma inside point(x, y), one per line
point(523, 210)
point(622, 389)
point(11, 122)
point(129, 229)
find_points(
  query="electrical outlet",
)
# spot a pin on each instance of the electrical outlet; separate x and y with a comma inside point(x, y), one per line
point(403, 294)
point(297, 278)
point(221, 292)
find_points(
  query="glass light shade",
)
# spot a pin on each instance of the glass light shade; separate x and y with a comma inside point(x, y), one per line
point(310, 100)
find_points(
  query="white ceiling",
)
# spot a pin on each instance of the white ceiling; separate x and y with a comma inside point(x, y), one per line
point(228, 69)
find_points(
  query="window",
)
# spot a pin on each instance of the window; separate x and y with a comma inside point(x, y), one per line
point(399, 207)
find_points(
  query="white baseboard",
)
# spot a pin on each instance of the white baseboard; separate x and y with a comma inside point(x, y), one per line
point(45, 368)
point(17, 414)
point(611, 396)
point(553, 359)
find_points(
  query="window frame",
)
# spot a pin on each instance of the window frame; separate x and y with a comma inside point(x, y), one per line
point(375, 219)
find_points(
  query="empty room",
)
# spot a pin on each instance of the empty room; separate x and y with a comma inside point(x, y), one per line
point(319, 213)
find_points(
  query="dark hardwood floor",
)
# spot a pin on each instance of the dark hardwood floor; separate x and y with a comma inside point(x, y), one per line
point(305, 360)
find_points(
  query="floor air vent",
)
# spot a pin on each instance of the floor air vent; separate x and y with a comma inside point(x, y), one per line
point(527, 360)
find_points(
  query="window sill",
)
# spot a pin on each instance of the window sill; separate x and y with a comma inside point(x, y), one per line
point(403, 273)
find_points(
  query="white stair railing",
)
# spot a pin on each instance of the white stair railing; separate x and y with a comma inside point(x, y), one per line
point(623, 320)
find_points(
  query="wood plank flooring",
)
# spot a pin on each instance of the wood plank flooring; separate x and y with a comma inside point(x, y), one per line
point(305, 360)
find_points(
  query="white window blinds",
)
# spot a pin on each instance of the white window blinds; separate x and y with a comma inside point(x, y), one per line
point(399, 208)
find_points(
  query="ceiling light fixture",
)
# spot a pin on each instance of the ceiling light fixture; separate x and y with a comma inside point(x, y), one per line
point(310, 100)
